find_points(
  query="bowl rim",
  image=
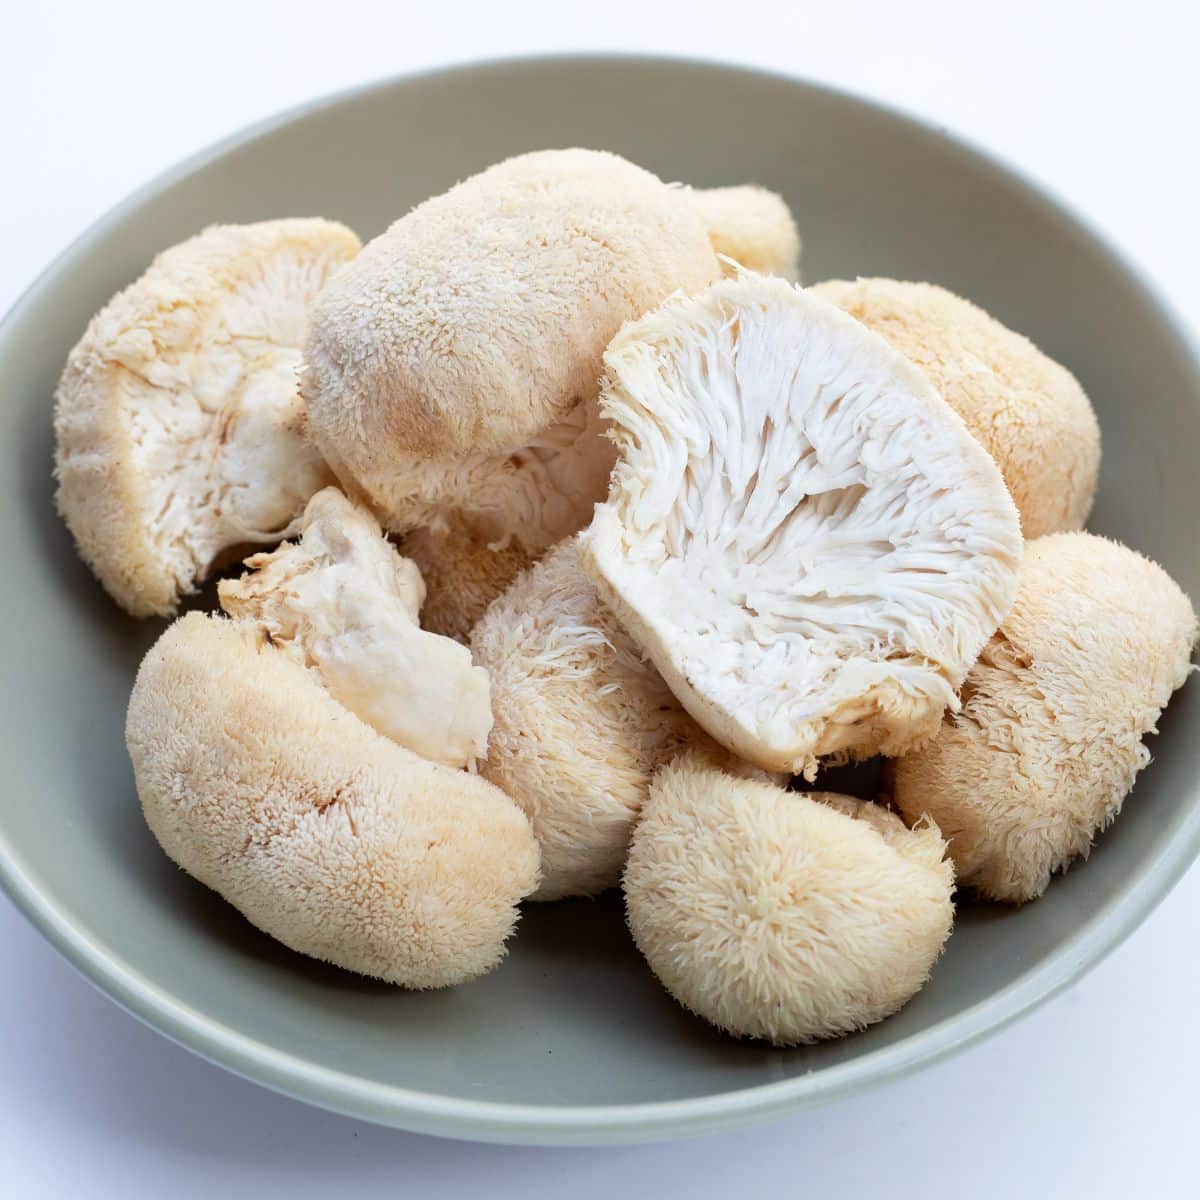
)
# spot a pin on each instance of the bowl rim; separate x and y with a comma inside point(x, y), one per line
point(498, 1121)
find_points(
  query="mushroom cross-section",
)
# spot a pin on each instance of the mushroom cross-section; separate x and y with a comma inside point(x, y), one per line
point(178, 416)
point(800, 533)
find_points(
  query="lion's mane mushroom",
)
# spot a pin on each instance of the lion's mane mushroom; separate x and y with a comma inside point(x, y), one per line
point(451, 370)
point(479, 319)
point(805, 539)
point(478, 521)
point(581, 721)
point(330, 837)
point(752, 226)
point(1048, 741)
point(530, 497)
point(462, 577)
point(1030, 413)
point(178, 413)
point(342, 602)
point(778, 915)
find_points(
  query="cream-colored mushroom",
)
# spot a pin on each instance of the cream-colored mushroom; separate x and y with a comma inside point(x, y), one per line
point(1029, 412)
point(342, 602)
point(1048, 741)
point(330, 837)
point(752, 226)
point(581, 721)
point(452, 373)
point(478, 320)
point(462, 574)
point(803, 537)
point(783, 916)
point(530, 498)
point(178, 413)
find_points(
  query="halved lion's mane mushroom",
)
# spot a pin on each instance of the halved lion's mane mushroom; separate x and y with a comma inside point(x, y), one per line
point(803, 537)
point(178, 418)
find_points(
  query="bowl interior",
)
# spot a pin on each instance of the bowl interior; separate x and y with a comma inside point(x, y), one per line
point(573, 1018)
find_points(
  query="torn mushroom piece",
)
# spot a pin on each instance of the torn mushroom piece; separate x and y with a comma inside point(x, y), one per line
point(178, 418)
point(343, 603)
point(803, 537)
point(337, 841)
point(783, 916)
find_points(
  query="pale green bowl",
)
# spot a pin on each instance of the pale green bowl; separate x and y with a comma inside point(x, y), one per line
point(571, 1040)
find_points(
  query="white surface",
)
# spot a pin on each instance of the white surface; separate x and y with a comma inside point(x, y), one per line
point(1094, 1095)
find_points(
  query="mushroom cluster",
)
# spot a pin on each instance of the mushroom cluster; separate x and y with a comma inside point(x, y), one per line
point(592, 539)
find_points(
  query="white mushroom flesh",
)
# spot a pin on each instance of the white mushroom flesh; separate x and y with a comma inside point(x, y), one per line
point(802, 535)
point(179, 417)
point(342, 602)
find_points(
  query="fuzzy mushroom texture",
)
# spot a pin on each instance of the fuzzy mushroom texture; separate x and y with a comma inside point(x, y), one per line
point(342, 602)
point(582, 721)
point(178, 417)
point(1029, 412)
point(527, 499)
point(783, 916)
point(752, 226)
point(803, 537)
point(1048, 741)
point(479, 319)
point(328, 836)
point(462, 575)
point(474, 524)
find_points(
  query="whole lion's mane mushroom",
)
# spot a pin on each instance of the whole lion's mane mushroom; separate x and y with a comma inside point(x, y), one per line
point(1048, 741)
point(803, 537)
point(1029, 412)
point(178, 413)
point(778, 915)
point(451, 373)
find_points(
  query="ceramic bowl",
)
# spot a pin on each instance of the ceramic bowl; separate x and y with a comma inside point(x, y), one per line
point(571, 1040)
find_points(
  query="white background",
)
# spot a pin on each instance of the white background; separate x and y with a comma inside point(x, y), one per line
point(1095, 1094)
